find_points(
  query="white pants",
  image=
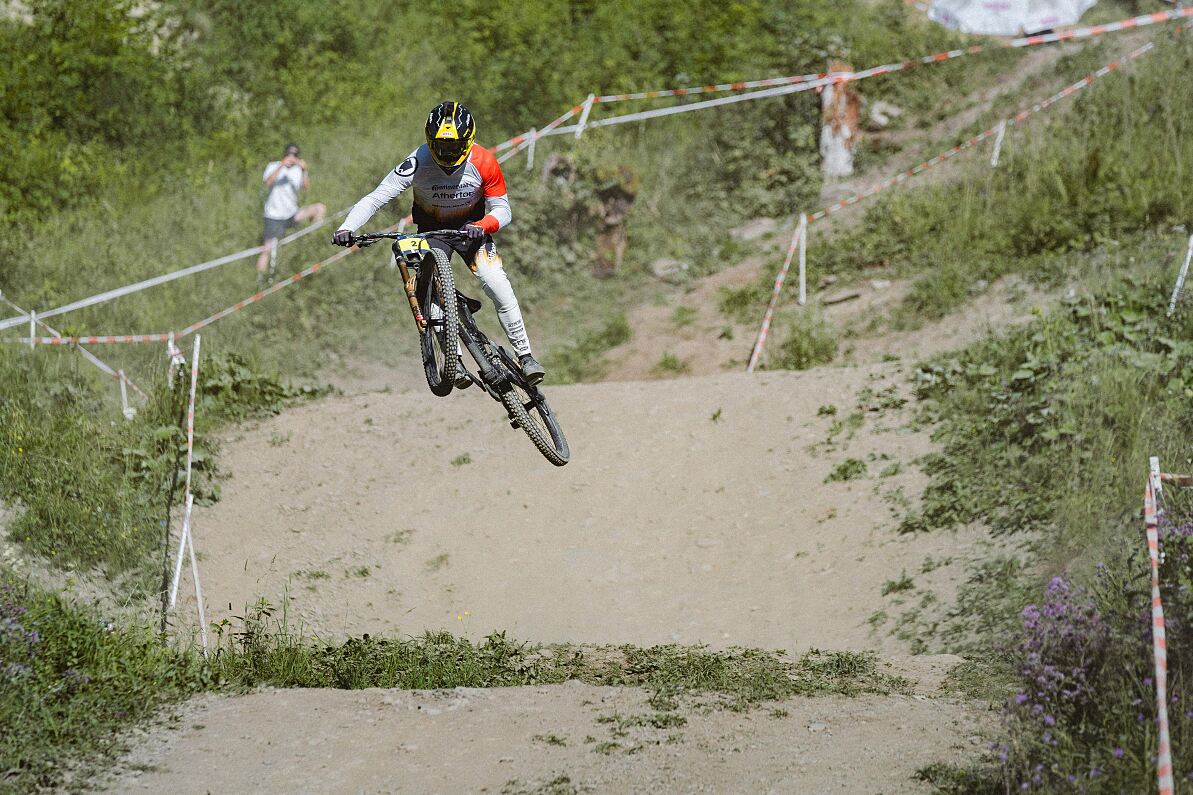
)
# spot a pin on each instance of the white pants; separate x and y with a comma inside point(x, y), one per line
point(490, 273)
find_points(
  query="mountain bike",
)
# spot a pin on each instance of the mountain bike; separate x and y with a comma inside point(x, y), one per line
point(444, 318)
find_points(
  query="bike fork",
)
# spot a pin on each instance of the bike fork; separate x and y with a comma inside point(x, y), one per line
point(409, 283)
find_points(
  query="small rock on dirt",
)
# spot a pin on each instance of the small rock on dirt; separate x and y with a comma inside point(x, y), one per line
point(817, 728)
point(880, 284)
point(841, 296)
point(828, 280)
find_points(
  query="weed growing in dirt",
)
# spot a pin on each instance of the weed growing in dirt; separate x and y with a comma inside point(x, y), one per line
point(670, 363)
point(461, 460)
point(849, 469)
point(808, 343)
point(559, 785)
point(264, 651)
point(904, 583)
point(549, 739)
point(683, 316)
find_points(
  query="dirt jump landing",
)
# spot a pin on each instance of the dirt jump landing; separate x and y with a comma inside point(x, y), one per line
point(558, 739)
point(694, 511)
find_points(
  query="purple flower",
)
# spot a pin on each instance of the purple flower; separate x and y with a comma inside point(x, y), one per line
point(1118, 753)
point(1049, 720)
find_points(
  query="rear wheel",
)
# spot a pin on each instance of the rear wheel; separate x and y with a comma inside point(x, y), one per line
point(440, 339)
point(534, 416)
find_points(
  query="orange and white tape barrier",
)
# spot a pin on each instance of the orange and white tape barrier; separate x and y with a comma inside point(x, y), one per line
point(170, 336)
point(903, 176)
point(125, 382)
point(795, 83)
point(129, 289)
point(1151, 497)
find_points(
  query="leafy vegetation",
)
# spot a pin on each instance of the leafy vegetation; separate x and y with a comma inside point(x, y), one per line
point(1051, 424)
point(264, 651)
point(69, 681)
point(93, 491)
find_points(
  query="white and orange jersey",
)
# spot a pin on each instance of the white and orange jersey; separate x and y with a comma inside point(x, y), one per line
point(474, 191)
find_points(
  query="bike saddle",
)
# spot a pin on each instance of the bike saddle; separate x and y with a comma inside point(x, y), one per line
point(473, 305)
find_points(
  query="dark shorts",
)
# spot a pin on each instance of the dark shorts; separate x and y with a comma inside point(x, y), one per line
point(275, 228)
point(465, 248)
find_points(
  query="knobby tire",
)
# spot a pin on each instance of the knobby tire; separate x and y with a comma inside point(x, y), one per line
point(547, 436)
point(439, 286)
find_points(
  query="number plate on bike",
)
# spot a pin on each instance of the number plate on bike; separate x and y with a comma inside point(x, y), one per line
point(412, 244)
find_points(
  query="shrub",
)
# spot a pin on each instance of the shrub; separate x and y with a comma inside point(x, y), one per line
point(808, 343)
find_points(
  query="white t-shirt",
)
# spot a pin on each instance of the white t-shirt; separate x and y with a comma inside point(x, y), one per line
point(282, 202)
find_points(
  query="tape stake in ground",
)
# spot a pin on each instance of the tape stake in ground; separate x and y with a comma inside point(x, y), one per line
point(186, 542)
point(1002, 131)
point(586, 109)
point(1164, 776)
point(1180, 279)
point(756, 354)
point(802, 231)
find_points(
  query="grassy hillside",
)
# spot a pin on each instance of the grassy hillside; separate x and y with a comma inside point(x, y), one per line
point(135, 147)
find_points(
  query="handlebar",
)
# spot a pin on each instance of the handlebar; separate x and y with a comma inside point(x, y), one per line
point(369, 238)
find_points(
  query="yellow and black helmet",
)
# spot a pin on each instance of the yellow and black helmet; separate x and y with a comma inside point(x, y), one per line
point(450, 132)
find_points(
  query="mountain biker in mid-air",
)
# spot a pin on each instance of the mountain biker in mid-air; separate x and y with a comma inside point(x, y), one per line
point(456, 186)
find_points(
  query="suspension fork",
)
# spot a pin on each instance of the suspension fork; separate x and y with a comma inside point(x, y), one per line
point(409, 283)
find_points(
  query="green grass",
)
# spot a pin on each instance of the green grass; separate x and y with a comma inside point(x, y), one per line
point(672, 364)
point(265, 652)
point(92, 489)
point(808, 343)
point(70, 681)
point(849, 469)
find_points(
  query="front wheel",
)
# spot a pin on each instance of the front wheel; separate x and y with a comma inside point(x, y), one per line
point(534, 416)
point(440, 339)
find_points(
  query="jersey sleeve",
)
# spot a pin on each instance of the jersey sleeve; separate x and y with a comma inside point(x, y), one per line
point(497, 204)
point(387, 190)
point(269, 169)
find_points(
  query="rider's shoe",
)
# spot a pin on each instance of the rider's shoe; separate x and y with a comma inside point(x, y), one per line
point(463, 380)
point(534, 372)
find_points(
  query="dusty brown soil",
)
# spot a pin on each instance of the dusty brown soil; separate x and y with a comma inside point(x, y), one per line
point(523, 740)
point(692, 512)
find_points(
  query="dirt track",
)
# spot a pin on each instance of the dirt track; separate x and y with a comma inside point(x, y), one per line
point(523, 740)
point(668, 525)
point(694, 511)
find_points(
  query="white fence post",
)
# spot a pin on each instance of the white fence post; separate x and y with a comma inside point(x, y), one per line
point(32, 329)
point(1002, 131)
point(534, 134)
point(128, 411)
point(1180, 279)
point(585, 110)
point(186, 541)
point(803, 262)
